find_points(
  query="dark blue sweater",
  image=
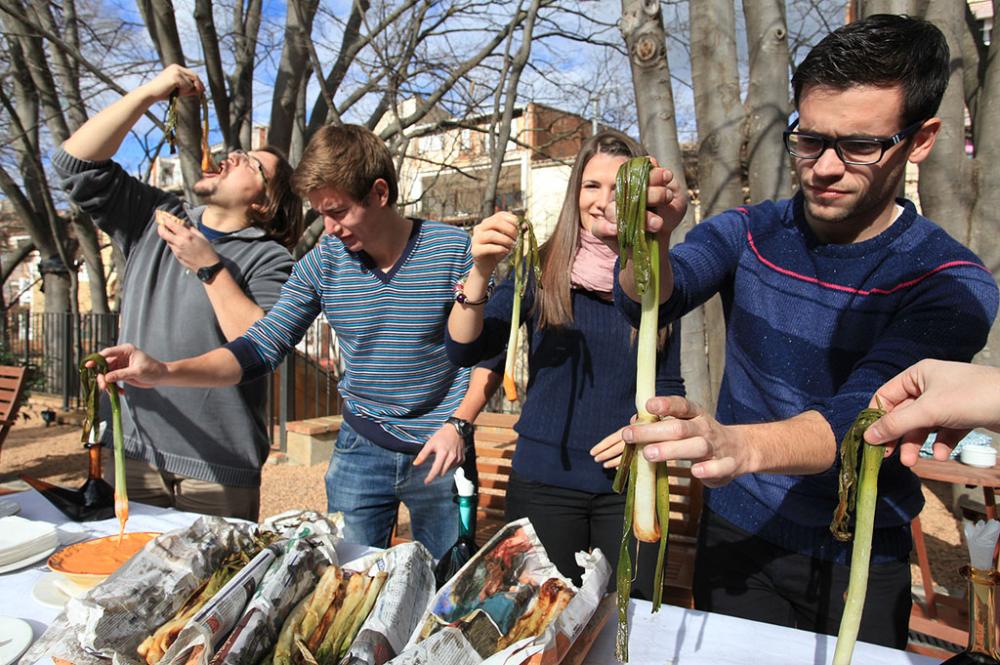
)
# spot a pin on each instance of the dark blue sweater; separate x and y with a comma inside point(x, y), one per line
point(813, 326)
point(581, 384)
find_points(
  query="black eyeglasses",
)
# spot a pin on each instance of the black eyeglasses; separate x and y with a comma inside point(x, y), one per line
point(857, 150)
point(253, 163)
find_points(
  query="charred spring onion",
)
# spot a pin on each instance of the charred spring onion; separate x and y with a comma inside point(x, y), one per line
point(170, 123)
point(647, 502)
point(858, 490)
point(92, 399)
point(524, 261)
point(208, 165)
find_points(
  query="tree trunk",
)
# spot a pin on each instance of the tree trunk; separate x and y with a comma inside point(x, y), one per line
point(246, 26)
point(350, 43)
point(962, 194)
point(984, 239)
point(718, 110)
point(768, 104)
point(291, 71)
point(86, 235)
point(947, 176)
point(12, 259)
point(213, 66)
point(517, 64)
point(642, 29)
point(159, 19)
point(720, 118)
point(871, 7)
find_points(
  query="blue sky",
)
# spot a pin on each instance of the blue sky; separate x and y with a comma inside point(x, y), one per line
point(584, 79)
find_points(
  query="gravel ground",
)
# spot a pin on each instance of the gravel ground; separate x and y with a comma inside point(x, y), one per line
point(55, 454)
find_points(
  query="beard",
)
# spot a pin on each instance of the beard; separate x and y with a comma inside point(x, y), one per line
point(205, 188)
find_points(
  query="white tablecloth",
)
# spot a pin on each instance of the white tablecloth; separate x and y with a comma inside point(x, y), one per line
point(672, 636)
point(675, 636)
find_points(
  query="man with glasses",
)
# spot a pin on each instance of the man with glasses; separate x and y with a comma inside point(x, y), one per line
point(827, 296)
point(195, 277)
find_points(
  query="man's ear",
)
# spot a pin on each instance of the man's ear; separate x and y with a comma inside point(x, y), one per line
point(256, 211)
point(924, 140)
point(380, 192)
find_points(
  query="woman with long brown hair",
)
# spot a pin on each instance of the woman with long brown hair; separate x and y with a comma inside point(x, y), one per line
point(581, 366)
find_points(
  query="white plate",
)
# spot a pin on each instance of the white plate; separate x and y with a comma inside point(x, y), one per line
point(48, 593)
point(15, 638)
point(8, 507)
point(27, 561)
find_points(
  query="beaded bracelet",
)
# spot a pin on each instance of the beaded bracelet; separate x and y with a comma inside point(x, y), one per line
point(461, 298)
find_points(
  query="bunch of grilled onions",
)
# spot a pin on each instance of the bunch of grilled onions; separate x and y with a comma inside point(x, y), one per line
point(321, 628)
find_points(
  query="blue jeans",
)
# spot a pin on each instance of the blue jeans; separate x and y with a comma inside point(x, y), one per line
point(366, 483)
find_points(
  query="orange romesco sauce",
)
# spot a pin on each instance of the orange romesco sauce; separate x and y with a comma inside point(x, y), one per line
point(121, 512)
point(100, 557)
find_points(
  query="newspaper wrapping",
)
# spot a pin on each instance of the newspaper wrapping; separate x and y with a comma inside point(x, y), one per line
point(470, 614)
point(400, 604)
point(110, 620)
point(213, 622)
point(114, 617)
point(288, 580)
point(239, 608)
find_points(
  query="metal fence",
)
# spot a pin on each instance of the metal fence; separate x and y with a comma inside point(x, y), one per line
point(52, 344)
point(304, 386)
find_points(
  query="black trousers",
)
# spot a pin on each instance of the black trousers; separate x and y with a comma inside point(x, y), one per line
point(568, 521)
point(741, 575)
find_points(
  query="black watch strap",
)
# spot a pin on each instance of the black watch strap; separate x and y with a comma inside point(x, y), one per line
point(208, 272)
point(465, 429)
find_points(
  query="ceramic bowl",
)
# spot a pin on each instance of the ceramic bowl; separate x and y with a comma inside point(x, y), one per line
point(89, 562)
point(982, 456)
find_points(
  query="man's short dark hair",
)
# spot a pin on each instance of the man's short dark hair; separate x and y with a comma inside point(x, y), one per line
point(882, 50)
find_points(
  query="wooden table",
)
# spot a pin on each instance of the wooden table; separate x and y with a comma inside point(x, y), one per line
point(940, 615)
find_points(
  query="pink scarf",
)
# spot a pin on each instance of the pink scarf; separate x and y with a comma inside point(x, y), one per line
point(593, 265)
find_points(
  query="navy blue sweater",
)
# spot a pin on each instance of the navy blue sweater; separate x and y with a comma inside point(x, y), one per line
point(813, 326)
point(581, 384)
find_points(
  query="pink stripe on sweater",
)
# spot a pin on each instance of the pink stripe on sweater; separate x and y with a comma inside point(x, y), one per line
point(851, 289)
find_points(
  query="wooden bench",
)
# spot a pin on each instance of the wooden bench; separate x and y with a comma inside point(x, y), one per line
point(11, 392)
point(495, 441)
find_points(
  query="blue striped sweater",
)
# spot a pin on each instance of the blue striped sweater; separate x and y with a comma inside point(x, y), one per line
point(398, 385)
point(814, 326)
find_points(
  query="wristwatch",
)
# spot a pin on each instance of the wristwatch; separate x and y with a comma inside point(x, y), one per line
point(466, 430)
point(208, 272)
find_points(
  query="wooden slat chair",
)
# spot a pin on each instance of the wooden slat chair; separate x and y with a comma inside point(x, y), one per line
point(495, 440)
point(685, 515)
point(11, 391)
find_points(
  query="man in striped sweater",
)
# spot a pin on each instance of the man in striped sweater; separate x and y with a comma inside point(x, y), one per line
point(826, 296)
point(386, 284)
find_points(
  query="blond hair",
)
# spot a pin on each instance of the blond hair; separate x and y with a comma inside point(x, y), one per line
point(347, 158)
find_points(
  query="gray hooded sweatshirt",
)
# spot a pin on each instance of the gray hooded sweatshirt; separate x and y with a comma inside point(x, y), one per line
point(212, 434)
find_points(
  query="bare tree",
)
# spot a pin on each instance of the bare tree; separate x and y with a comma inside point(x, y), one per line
point(767, 100)
point(499, 136)
point(29, 194)
point(642, 29)
point(960, 192)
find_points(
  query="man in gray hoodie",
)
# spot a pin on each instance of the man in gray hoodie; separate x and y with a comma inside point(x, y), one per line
point(194, 279)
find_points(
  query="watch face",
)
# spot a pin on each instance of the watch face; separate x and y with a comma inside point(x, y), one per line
point(206, 273)
point(464, 427)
